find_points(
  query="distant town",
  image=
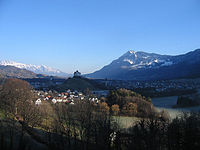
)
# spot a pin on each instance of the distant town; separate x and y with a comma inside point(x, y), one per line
point(157, 86)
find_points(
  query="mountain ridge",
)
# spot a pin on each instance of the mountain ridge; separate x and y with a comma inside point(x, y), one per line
point(150, 66)
point(14, 72)
point(38, 69)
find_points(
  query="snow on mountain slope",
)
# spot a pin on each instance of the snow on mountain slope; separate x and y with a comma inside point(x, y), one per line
point(135, 60)
point(41, 69)
point(150, 66)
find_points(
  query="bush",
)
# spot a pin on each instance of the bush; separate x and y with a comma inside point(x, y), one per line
point(115, 109)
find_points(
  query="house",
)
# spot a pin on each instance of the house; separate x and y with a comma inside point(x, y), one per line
point(59, 100)
point(71, 96)
point(75, 96)
point(46, 98)
point(38, 102)
point(65, 100)
point(80, 94)
point(54, 100)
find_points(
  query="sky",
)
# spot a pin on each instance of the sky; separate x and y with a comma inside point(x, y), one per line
point(89, 34)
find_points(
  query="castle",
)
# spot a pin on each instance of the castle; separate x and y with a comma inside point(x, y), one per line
point(77, 74)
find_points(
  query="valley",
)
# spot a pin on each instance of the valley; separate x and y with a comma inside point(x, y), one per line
point(80, 110)
point(99, 75)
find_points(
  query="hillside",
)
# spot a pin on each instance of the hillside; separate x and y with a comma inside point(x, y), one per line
point(149, 66)
point(13, 72)
point(79, 84)
point(38, 69)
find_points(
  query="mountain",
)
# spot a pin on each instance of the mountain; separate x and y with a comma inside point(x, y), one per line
point(14, 72)
point(150, 66)
point(41, 69)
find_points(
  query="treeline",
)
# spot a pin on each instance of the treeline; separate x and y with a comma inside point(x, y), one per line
point(181, 133)
point(87, 125)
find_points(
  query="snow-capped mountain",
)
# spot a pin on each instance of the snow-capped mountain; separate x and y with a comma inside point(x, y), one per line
point(14, 72)
point(40, 69)
point(150, 66)
point(134, 60)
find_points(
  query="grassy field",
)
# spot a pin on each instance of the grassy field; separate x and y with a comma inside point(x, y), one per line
point(125, 122)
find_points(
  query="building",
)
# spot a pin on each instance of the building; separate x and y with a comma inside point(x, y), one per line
point(38, 102)
point(77, 74)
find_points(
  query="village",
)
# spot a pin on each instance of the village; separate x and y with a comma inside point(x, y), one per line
point(157, 85)
point(68, 97)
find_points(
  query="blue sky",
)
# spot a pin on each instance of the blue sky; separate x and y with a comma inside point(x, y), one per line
point(88, 34)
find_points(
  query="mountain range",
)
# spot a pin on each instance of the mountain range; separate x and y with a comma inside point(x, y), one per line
point(38, 69)
point(13, 72)
point(150, 66)
point(132, 65)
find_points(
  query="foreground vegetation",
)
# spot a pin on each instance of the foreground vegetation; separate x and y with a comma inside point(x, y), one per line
point(87, 125)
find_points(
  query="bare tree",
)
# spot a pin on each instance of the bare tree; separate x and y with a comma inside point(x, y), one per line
point(17, 101)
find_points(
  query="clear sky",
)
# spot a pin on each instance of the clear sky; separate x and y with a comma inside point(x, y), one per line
point(88, 34)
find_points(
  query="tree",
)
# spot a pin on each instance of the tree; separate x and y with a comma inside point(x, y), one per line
point(115, 109)
point(130, 109)
point(148, 134)
point(103, 107)
point(127, 99)
point(17, 100)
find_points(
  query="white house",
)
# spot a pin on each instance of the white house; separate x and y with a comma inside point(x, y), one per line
point(54, 100)
point(75, 96)
point(71, 96)
point(59, 100)
point(38, 102)
point(80, 94)
point(46, 98)
point(65, 100)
